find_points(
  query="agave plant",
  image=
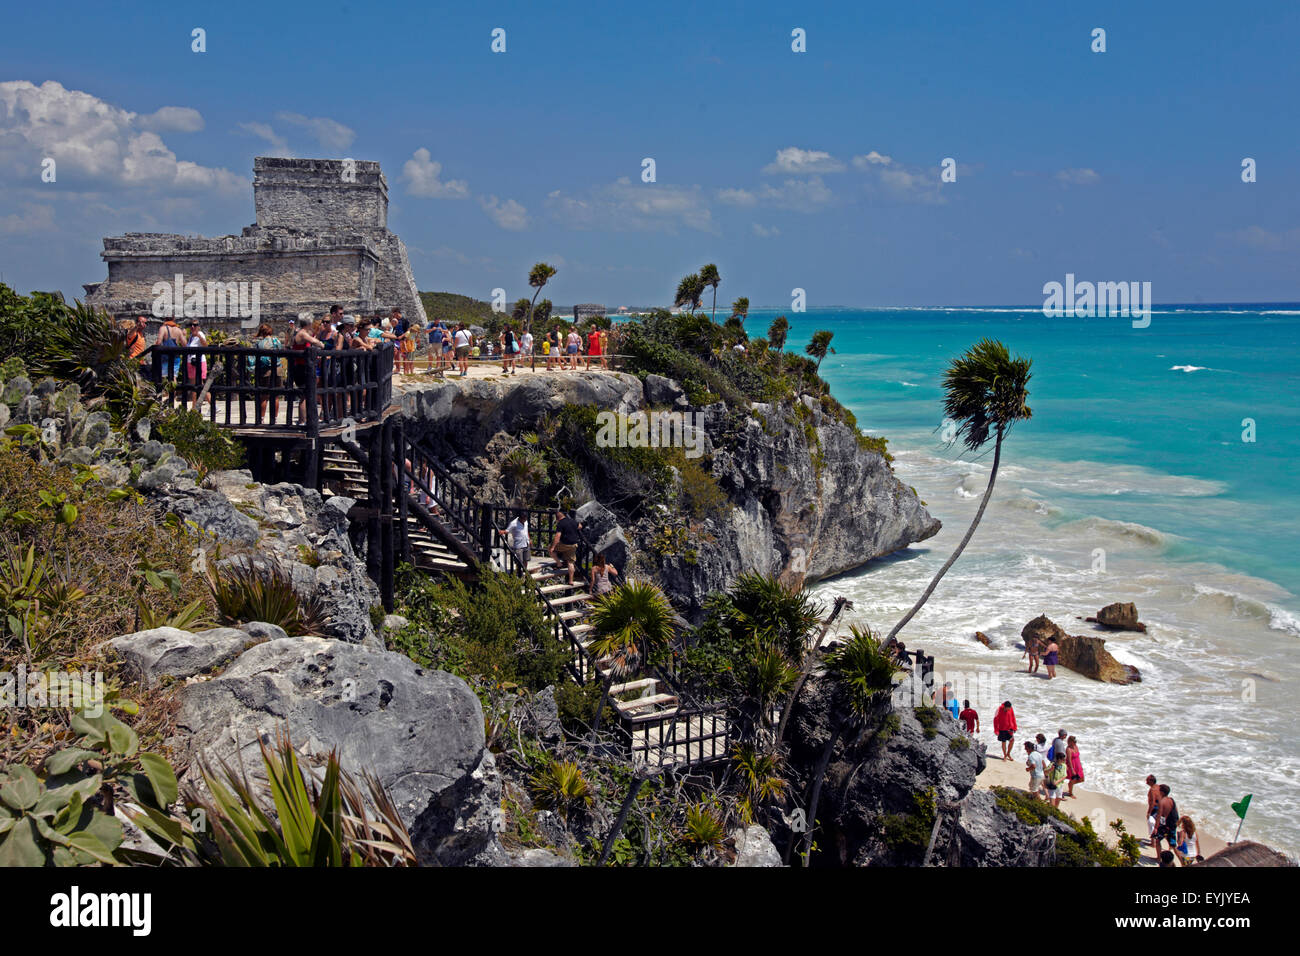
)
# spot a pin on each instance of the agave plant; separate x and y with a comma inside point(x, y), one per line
point(704, 827)
point(250, 591)
point(561, 786)
point(296, 820)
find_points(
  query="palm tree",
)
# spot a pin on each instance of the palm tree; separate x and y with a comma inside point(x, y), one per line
point(519, 312)
point(538, 276)
point(689, 291)
point(542, 313)
point(986, 394)
point(861, 675)
point(709, 276)
point(740, 309)
point(631, 625)
point(777, 331)
point(819, 346)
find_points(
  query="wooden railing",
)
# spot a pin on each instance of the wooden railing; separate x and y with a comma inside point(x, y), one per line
point(277, 389)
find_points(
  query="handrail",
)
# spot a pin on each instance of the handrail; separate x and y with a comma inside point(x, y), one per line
point(318, 386)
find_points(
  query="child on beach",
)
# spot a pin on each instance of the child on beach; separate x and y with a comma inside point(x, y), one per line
point(1056, 777)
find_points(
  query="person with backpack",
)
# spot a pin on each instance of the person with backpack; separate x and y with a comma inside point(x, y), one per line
point(263, 370)
point(508, 349)
point(1057, 774)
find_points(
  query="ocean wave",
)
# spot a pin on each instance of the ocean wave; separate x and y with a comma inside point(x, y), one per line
point(908, 384)
point(1027, 502)
point(1125, 530)
point(1239, 605)
point(1190, 368)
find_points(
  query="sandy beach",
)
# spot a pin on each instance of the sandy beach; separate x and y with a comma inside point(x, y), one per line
point(1101, 808)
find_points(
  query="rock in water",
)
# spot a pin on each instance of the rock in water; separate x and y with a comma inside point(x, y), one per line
point(420, 732)
point(1082, 654)
point(1120, 617)
point(983, 638)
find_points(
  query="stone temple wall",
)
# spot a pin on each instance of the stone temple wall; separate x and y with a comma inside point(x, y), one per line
point(321, 238)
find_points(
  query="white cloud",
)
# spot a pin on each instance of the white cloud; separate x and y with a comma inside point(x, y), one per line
point(31, 219)
point(96, 141)
point(279, 145)
point(331, 134)
point(1266, 240)
point(180, 119)
point(737, 197)
point(423, 179)
point(624, 205)
point(508, 214)
point(801, 195)
point(802, 162)
point(1078, 177)
point(766, 232)
point(867, 160)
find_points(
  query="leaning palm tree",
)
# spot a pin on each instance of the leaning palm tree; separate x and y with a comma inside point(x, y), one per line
point(709, 276)
point(986, 394)
point(538, 276)
point(689, 291)
point(631, 624)
point(862, 676)
point(819, 346)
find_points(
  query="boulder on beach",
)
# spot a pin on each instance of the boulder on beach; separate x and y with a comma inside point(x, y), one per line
point(1082, 654)
point(1119, 617)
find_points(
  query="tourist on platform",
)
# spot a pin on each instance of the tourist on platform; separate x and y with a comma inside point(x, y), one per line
point(464, 339)
point(303, 339)
point(404, 337)
point(433, 355)
point(263, 369)
point(526, 349)
point(136, 342)
point(197, 366)
point(554, 347)
point(574, 347)
point(593, 348)
point(509, 346)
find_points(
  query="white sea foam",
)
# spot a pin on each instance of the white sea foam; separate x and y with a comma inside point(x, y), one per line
point(1241, 606)
point(1190, 368)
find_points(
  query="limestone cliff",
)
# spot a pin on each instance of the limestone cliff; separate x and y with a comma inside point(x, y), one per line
point(804, 500)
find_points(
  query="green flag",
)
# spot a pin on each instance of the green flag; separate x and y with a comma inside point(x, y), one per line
point(1241, 808)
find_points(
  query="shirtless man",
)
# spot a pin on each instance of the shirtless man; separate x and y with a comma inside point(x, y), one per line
point(1153, 803)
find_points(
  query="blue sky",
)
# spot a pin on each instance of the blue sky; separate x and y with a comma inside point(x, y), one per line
point(817, 170)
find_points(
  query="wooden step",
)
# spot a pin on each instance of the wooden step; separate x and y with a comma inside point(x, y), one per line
point(641, 703)
point(550, 589)
point(577, 598)
point(570, 615)
point(641, 684)
point(577, 630)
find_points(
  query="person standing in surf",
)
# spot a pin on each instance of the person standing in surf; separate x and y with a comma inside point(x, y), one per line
point(1050, 657)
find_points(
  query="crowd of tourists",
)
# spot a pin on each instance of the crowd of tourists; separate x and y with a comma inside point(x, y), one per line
point(447, 347)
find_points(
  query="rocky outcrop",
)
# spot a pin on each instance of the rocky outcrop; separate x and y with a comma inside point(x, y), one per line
point(804, 500)
point(1084, 655)
point(420, 732)
point(1119, 617)
point(880, 793)
point(754, 848)
point(306, 535)
point(167, 652)
point(983, 834)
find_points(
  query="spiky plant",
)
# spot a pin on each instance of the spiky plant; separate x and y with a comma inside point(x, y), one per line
point(561, 786)
point(632, 624)
point(524, 469)
point(776, 614)
point(250, 591)
point(760, 779)
point(987, 392)
point(689, 291)
point(704, 827)
point(819, 346)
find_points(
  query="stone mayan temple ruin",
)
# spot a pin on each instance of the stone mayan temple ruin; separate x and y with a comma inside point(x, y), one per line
point(321, 238)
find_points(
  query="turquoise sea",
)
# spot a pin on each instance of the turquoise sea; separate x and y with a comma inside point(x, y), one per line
point(1132, 482)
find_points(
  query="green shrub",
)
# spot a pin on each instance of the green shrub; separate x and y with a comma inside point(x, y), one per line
point(204, 444)
point(1081, 847)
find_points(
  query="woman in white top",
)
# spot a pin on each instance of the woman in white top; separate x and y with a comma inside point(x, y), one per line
point(1189, 847)
point(601, 573)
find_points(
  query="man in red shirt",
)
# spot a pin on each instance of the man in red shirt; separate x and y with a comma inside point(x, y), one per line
point(1004, 725)
point(970, 718)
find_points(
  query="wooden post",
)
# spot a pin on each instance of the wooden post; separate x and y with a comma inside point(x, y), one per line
point(373, 559)
point(403, 491)
point(386, 545)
